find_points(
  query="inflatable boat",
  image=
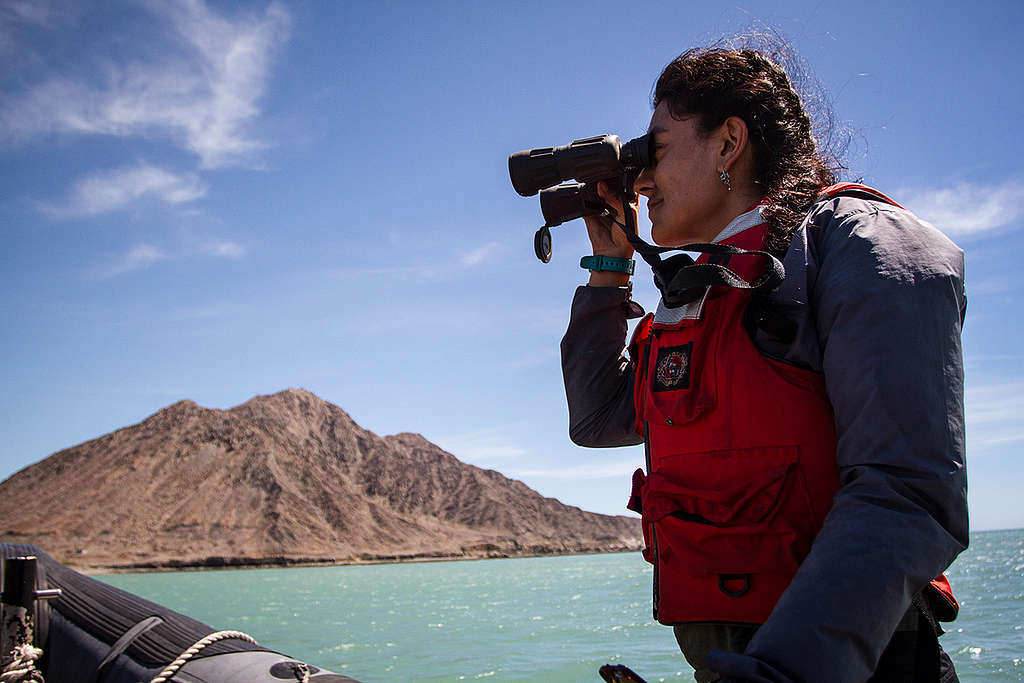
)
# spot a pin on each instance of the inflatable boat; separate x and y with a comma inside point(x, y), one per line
point(75, 629)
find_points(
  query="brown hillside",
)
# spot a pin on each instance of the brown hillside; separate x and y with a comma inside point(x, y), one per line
point(281, 478)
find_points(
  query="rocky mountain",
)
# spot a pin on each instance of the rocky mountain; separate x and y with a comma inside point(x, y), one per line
point(281, 479)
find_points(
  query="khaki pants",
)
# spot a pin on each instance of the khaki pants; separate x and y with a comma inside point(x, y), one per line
point(697, 640)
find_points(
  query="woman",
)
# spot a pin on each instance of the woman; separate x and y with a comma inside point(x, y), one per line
point(805, 449)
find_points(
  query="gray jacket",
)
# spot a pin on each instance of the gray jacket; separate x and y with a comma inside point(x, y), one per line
point(878, 297)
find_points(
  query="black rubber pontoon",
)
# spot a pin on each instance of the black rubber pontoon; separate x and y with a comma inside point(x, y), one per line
point(95, 633)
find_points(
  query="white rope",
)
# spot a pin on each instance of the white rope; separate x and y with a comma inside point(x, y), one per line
point(169, 672)
point(23, 666)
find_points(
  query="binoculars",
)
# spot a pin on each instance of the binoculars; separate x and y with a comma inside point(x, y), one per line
point(587, 161)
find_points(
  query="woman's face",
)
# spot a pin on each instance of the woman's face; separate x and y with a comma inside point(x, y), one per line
point(685, 197)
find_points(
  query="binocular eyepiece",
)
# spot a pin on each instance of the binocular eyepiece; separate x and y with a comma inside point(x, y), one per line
point(587, 161)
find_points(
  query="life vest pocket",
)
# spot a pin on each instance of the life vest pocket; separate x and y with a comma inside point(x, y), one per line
point(680, 384)
point(732, 528)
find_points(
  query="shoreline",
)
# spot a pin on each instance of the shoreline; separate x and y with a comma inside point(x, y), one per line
point(231, 563)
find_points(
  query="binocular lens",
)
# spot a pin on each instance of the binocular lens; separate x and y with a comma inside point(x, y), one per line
point(532, 170)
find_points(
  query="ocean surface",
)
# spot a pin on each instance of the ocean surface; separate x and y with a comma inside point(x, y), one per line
point(544, 619)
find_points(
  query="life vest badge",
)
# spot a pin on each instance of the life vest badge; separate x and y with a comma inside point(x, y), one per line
point(672, 370)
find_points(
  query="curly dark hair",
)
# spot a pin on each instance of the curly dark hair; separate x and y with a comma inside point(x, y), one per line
point(715, 83)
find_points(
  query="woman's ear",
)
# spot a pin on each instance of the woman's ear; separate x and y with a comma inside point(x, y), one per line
point(734, 141)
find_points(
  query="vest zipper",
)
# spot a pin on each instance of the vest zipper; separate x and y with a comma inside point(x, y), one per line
point(648, 462)
point(654, 535)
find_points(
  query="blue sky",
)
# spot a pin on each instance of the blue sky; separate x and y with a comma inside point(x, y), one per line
point(213, 200)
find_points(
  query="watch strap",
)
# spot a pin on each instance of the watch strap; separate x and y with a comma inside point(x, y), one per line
point(608, 263)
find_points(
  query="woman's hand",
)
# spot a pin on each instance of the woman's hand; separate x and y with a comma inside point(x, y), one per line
point(608, 239)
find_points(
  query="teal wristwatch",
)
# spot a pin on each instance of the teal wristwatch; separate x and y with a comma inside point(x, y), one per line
point(610, 263)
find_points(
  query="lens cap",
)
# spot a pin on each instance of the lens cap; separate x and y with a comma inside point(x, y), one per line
point(542, 244)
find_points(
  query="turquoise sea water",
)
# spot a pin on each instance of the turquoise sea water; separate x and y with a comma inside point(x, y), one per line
point(545, 619)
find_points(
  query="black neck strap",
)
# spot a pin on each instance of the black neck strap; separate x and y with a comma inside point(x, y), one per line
point(680, 280)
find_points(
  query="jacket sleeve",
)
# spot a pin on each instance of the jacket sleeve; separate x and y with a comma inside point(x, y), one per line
point(598, 375)
point(887, 294)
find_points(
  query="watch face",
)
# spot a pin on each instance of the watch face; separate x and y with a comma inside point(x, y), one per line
point(542, 244)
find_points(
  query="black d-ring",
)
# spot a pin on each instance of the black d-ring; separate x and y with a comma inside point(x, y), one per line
point(723, 578)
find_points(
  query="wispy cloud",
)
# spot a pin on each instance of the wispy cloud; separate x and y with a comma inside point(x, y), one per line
point(23, 12)
point(107, 191)
point(202, 95)
point(491, 446)
point(482, 446)
point(20, 19)
point(969, 209)
point(141, 256)
point(988, 286)
point(479, 255)
point(223, 249)
point(596, 470)
point(994, 416)
point(144, 255)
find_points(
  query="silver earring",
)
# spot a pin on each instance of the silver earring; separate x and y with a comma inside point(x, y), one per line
point(724, 177)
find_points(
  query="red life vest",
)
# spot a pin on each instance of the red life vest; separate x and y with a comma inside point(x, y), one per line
point(741, 453)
